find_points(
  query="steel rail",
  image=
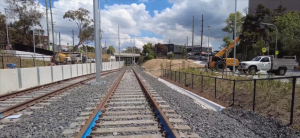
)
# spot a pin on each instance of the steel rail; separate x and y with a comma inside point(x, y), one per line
point(29, 90)
point(15, 108)
point(99, 107)
point(169, 125)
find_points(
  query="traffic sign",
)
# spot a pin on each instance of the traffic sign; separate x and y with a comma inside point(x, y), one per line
point(277, 52)
point(264, 49)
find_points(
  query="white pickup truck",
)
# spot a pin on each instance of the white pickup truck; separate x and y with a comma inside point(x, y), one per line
point(278, 66)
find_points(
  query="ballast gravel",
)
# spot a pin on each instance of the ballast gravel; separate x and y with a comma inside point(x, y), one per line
point(230, 123)
point(52, 120)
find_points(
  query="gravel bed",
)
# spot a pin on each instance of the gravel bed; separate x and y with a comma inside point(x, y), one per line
point(231, 123)
point(52, 120)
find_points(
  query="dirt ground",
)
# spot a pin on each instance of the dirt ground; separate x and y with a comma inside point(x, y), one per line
point(154, 66)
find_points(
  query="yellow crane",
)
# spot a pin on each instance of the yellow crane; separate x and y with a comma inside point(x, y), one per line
point(219, 63)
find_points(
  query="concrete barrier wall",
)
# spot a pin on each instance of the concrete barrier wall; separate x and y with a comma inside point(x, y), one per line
point(56, 73)
point(93, 67)
point(79, 69)
point(29, 77)
point(9, 80)
point(73, 71)
point(66, 71)
point(16, 79)
point(44, 74)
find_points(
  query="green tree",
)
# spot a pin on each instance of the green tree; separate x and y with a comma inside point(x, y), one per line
point(89, 48)
point(110, 49)
point(148, 52)
point(229, 28)
point(82, 19)
point(289, 32)
point(226, 41)
point(26, 16)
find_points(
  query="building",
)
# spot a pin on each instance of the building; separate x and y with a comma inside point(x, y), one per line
point(197, 48)
point(291, 5)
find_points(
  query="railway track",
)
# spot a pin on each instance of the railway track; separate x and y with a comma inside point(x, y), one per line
point(130, 109)
point(17, 101)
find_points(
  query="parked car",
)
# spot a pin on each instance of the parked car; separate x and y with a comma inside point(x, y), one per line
point(278, 66)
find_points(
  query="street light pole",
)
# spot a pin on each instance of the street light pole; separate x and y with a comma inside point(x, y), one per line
point(276, 35)
point(234, 49)
point(7, 38)
point(119, 46)
point(33, 48)
point(208, 42)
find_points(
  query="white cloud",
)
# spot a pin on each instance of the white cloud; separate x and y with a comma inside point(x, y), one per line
point(172, 23)
point(143, 1)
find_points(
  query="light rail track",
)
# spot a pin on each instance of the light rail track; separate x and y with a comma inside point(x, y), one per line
point(14, 102)
point(130, 109)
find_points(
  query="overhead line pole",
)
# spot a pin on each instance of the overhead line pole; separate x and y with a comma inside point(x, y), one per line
point(234, 50)
point(52, 27)
point(96, 40)
point(73, 38)
point(119, 46)
point(193, 36)
point(7, 37)
point(47, 22)
point(201, 35)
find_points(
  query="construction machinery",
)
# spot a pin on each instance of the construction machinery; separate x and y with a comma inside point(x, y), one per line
point(219, 63)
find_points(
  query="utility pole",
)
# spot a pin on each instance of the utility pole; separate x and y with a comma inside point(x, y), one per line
point(187, 40)
point(119, 46)
point(208, 42)
point(234, 50)
point(201, 35)
point(100, 36)
point(96, 4)
point(52, 26)
point(169, 41)
point(59, 40)
point(105, 48)
point(73, 38)
point(40, 37)
point(7, 37)
point(193, 36)
point(48, 40)
point(34, 48)
point(134, 51)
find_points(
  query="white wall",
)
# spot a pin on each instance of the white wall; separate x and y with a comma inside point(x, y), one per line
point(9, 80)
point(22, 78)
point(66, 71)
point(44, 74)
point(74, 71)
point(29, 77)
point(56, 73)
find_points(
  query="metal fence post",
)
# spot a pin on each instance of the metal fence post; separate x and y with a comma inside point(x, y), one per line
point(201, 83)
point(179, 77)
point(184, 78)
point(233, 92)
point(44, 60)
point(175, 75)
point(192, 81)
point(254, 95)
point(293, 101)
point(215, 87)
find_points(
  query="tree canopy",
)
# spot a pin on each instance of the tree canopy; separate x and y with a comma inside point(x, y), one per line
point(26, 17)
point(84, 23)
point(148, 52)
point(257, 35)
point(229, 28)
point(110, 49)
